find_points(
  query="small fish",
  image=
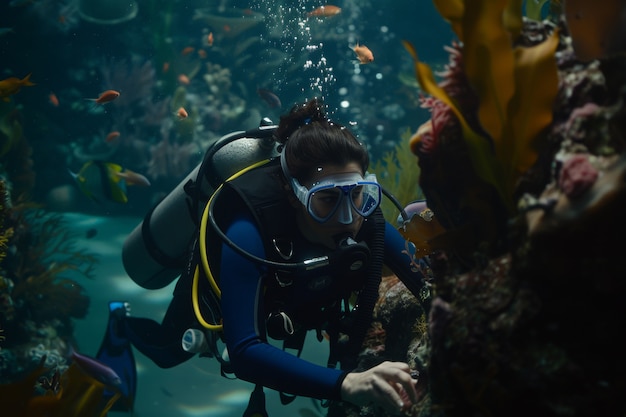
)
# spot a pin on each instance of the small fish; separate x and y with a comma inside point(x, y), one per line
point(202, 54)
point(423, 229)
point(99, 181)
point(269, 97)
point(112, 136)
point(105, 97)
point(53, 99)
point(166, 67)
point(97, 369)
point(91, 232)
point(210, 39)
point(363, 53)
point(12, 85)
point(324, 11)
point(133, 178)
point(181, 113)
point(183, 79)
point(187, 50)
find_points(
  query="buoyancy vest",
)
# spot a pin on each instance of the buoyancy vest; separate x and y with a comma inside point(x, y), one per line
point(317, 299)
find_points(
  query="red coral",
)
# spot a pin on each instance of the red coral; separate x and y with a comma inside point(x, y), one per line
point(577, 175)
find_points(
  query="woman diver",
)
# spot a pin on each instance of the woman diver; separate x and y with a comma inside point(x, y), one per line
point(304, 243)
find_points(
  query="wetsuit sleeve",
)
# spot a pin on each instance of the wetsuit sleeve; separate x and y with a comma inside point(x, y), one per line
point(252, 358)
point(399, 258)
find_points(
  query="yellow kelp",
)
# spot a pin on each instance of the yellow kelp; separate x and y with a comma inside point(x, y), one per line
point(516, 87)
point(597, 28)
point(78, 395)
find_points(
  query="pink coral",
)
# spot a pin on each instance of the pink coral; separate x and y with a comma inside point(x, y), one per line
point(577, 175)
point(441, 116)
point(454, 80)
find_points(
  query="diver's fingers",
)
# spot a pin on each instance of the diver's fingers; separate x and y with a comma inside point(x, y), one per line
point(388, 385)
point(387, 396)
point(406, 382)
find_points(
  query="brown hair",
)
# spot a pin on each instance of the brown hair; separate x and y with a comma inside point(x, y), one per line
point(310, 140)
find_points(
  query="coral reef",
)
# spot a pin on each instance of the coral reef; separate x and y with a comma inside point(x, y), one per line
point(38, 291)
point(394, 338)
point(526, 311)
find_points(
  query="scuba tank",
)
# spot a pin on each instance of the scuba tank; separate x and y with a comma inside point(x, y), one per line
point(157, 250)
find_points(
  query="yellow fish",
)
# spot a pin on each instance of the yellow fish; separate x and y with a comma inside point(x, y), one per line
point(12, 85)
point(100, 181)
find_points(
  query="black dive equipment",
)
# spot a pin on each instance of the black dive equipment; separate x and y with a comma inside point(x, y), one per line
point(156, 251)
point(349, 254)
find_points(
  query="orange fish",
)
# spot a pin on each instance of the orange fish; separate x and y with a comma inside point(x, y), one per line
point(105, 97)
point(202, 53)
point(363, 53)
point(186, 51)
point(12, 85)
point(181, 113)
point(324, 11)
point(166, 67)
point(112, 136)
point(209, 39)
point(54, 100)
point(183, 79)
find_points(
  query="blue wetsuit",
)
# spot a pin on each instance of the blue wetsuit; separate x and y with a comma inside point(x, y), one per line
point(252, 358)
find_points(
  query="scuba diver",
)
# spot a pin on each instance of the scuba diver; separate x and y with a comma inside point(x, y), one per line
point(292, 244)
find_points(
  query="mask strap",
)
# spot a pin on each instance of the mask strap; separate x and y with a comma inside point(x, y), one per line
point(283, 165)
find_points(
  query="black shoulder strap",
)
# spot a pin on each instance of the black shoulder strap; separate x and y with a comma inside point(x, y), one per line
point(262, 190)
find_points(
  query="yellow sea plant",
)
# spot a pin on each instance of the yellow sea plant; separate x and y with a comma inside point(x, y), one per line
point(78, 395)
point(516, 87)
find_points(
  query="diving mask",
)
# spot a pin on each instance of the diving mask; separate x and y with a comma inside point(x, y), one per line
point(338, 194)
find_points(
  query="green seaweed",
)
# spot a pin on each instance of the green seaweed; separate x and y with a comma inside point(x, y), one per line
point(47, 263)
point(398, 173)
point(39, 258)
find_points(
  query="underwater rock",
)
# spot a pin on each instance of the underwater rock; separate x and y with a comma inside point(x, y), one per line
point(398, 333)
point(525, 319)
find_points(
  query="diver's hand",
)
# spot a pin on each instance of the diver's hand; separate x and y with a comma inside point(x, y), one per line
point(388, 385)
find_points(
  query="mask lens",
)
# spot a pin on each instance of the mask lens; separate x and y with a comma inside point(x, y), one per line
point(363, 197)
point(324, 202)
